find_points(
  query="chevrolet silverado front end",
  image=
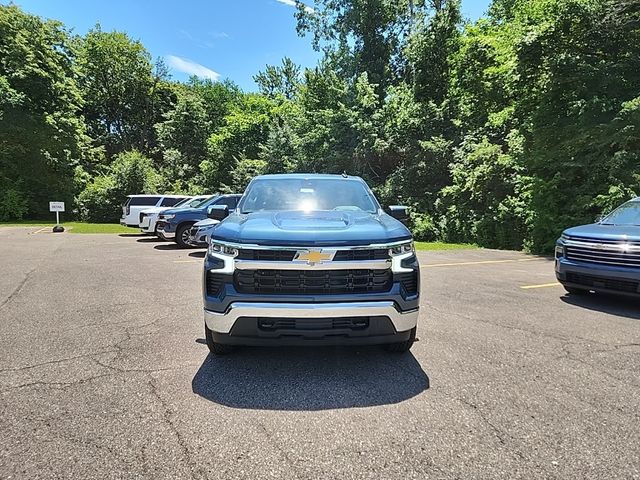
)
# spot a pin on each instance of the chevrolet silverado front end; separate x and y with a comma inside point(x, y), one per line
point(310, 260)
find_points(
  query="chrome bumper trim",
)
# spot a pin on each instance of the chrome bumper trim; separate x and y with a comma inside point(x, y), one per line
point(223, 322)
point(301, 265)
point(165, 234)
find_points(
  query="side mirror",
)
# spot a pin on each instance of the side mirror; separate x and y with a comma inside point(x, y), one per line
point(599, 218)
point(399, 212)
point(218, 212)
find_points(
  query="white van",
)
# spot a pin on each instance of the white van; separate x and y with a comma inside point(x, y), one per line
point(136, 203)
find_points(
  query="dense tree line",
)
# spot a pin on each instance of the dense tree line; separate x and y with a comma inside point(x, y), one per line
point(501, 131)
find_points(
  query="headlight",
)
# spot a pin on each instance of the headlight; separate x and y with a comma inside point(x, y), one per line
point(221, 249)
point(167, 217)
point(401, 249)
point(559, 251)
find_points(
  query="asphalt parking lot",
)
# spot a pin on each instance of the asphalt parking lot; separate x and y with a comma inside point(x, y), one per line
point(104, 374)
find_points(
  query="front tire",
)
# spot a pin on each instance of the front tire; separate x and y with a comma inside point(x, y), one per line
point(402, 347)
point(182, 235)
point(214, 347)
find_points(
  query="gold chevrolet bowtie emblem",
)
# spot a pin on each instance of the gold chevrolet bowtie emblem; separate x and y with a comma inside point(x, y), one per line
point(314, 256)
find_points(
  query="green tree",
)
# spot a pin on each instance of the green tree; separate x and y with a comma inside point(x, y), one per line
point(279, 80)
point(42, 134)
point(124, 95)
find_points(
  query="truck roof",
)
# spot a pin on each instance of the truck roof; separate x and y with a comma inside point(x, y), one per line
point(308, 176)
point(158, 195)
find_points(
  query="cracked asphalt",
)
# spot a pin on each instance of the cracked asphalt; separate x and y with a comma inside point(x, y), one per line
point(104, 374)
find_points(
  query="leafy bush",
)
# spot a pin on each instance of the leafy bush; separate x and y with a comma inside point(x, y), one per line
point(13, 204)
point(130, 173)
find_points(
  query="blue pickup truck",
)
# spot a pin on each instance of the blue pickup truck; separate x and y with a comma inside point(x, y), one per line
point(603, 256)
point(175, 224)
point(310, 260)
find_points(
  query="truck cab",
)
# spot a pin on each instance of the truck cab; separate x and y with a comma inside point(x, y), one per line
point(310, 260)
point(175, 224)
point(602, 256)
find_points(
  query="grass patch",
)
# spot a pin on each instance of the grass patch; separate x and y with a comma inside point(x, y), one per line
point(75, 227)
point(443, 246)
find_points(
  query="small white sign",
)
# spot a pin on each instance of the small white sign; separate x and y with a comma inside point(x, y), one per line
point(56, 206)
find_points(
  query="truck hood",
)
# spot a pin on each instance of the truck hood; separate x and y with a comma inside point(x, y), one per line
point(311, 228)
point(207, 222)
point(152, 210)
point(182, 211)
point(605, 232)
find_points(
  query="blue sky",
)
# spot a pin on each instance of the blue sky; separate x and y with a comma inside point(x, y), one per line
point(215, 38)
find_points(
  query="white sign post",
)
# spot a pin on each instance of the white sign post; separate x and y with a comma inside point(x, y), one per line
point(57, 207)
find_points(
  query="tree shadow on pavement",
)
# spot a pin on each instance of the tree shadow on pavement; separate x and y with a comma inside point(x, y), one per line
point(317, 378)
point(611, 304)
point(150, 240)
point(167, 246)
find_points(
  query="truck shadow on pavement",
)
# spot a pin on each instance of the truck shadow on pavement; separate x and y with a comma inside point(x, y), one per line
point(611, 304)
point(318, 378)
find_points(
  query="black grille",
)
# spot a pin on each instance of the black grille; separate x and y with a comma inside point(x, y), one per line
point(266, 255)
point(352, 255)
point(342, 323)
point(312, 281)
point(409, 282)
point(621, 285)
point(214, 283)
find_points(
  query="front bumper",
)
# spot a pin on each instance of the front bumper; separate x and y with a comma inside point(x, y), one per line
point(224, 322)
point(599, 278)
point(148, 224)
point(238, 315)
point(199, 237)
point(311, 323)
point(165, 230)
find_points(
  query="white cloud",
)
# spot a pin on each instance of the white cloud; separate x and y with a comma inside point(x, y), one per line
point(192, 68)
point(294, 3)
point(219, 34)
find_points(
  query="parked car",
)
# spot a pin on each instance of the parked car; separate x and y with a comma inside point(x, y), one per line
point(603, 256)
point(310, 260)
point(175, 223)
point(149, 217)
point(136, 203)
point(201, 232)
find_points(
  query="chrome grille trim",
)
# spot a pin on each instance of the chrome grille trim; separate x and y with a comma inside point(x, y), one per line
point(302, 265)
point(608, 252)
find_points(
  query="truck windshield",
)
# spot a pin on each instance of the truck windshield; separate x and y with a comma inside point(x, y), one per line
point(312, 194)
point(627, 214)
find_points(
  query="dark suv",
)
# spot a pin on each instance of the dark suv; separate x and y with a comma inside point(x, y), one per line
point(174, 224)
point(310, 260)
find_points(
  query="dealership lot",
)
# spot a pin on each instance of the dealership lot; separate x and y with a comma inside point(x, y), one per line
point(104, 374)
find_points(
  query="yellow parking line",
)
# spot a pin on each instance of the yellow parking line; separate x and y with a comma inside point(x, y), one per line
point(41, 230)
point(543, 285)
point(482, 262)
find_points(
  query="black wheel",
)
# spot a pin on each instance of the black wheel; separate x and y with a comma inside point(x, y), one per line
point(182, 235)
point(401, 347)
point(576, 291)
point(216, 348)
